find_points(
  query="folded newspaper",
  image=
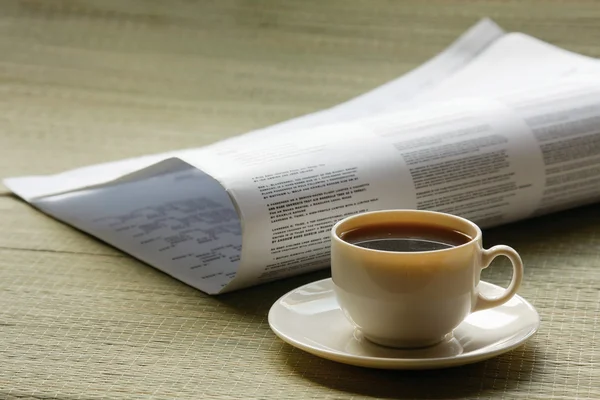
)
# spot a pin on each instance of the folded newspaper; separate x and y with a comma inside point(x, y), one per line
point(496, 128)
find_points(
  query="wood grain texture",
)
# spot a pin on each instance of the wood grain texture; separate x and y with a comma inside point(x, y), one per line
point(92, 81)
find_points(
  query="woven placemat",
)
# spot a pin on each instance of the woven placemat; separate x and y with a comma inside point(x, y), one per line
point(90, 81)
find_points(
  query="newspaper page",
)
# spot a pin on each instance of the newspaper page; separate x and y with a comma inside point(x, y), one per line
point(244, 212)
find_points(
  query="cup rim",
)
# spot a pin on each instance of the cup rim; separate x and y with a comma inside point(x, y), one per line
point(335, 236)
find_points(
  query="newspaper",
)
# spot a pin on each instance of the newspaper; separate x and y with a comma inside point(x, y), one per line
point(497, 128)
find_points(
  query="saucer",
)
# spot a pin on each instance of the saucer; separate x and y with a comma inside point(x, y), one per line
point(310, 319)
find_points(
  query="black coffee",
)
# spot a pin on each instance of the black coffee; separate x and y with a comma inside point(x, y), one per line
point(405, 237)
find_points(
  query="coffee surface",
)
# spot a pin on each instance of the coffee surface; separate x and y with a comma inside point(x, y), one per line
point(405, 237)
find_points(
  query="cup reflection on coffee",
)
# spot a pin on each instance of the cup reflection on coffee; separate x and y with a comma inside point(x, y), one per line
point(408, 278)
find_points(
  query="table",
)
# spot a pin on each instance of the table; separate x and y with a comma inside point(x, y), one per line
point(83, 82)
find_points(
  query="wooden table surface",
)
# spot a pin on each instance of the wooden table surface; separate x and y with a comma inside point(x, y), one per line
point(83, 82)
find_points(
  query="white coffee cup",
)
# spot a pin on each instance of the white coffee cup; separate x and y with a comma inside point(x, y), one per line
point(413, 299)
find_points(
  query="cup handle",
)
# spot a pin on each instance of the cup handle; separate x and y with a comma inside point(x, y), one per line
point(488, 256)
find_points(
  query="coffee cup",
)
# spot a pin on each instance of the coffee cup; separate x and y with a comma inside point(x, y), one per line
point(408, 278)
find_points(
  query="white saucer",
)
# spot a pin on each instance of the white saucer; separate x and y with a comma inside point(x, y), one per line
point(309, 318)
